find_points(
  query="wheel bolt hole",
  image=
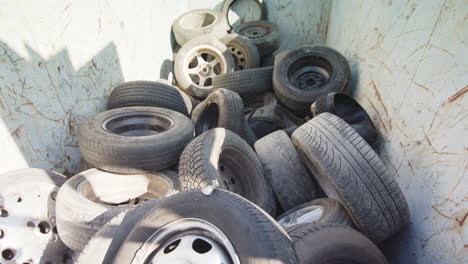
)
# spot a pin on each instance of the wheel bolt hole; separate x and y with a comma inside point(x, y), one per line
point(201, 246)
point(169, 248)
point(221, 167)
point(233, 181)
point(30, 224)
point(3, 213)
point(2, 234)
point(8, 254)
point(44, 227)
point(19, 200)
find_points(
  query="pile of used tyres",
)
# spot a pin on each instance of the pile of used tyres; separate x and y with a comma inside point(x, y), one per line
point(247, 158)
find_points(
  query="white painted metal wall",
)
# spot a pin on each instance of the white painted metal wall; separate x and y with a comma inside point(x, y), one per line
point(60, 59)
point(409, 62)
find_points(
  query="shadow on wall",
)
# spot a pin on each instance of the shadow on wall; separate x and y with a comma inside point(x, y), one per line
point(44, 100)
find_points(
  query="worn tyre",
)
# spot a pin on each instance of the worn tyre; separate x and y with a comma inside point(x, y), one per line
point(89, 199)
point(222, 159)
point(348, 109)
point(303, 74)
point(348, 170)
point(333, 243)
point(228, 3)
point(324, 210)
point(200, 22)
point(222, 108)
point(288, 177)
point(198, 61)
point(269, 118)
point(246, 82)
point(243, 50)
point(104, 245)
point(134, 139)
point(264, 34)
point(147, 93)
point(217, 219)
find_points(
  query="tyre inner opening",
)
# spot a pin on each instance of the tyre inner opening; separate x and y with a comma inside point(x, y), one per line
point(197, 20)
point(137, 124)
point(348, 109)
point(309, 73)
point(208, 119)
point(127, 190)
point(236, 172)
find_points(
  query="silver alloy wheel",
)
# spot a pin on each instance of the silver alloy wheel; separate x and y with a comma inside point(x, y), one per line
point(187, 240)
point(202, 64)
point(309, 214)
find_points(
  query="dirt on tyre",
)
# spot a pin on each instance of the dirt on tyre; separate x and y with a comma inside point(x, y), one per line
point(222, 108)
point(220, 158)
point(333, 243)
point(134, 139)
point(198, 61)
point(210, 227)
point(243, 50)
point(148, 93)
point(303, 74)
point(89, 199)
point(287, 175)
point(103, 246)
point(349, 170)
point(324, 210)
point(264, 34)
point(246, 82)
point(200, 22)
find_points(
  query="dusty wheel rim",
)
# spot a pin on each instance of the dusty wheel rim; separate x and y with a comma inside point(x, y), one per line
point(256, 31)
point(191, 240)
point(309, 214)
point(202, 63)
point(309, 73)
point(239, 56)
point(139, 123)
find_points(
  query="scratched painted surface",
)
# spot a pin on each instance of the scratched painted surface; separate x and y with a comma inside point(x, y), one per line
point(60, 59)
point(409, 62)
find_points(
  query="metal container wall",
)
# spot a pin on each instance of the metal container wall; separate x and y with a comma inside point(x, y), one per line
point(60, 59)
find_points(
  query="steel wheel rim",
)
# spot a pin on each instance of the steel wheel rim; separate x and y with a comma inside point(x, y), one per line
point(202, 64)
point(239, 56)
point(256, 31)
point(310, 78)
point(176, 241)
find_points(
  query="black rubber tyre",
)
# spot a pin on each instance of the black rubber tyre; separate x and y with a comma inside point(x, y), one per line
point(135, 139)
point(253, 81)
point(248, 135)
point(84, 203)
point(349, 170)
point(269, 118)
point(243, 50)
point(222, 108)
point(324, 210)
point(333, 243)
point(288, 177)
point(104, 245)
point(221, 158)
point(303, 74)
point(147, 93)
point(348, 109)
point(233, 215)
point(194, 73)
point(253, 102)
point(200, 22)
point(264, 34)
